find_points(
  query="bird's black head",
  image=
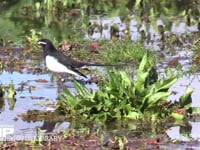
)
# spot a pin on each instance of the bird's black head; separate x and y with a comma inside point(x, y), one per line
point(46, 45)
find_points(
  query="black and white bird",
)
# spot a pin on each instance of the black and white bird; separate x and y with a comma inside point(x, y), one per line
point(56, 61)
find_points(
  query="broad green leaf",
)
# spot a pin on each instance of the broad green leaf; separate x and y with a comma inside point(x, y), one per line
point(81, 90)
point(11, 90)
point(87, 103)
point(137, 4)
point(141, 74)
point(142, 65)
point(133, 115)
point(164, 84)
point(160, 96)
point(186, 100)
point(69, 99)
point(126, 81)
point(196, 110)
point(177, 116)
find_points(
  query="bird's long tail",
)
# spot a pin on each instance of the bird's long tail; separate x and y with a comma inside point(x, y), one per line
point(111, 65)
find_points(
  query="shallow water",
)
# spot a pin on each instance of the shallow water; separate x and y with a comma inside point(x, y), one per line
point(34, 96)
point(44, 93)
point(26, 99)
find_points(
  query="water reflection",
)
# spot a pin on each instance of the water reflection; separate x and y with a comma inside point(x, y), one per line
point(40, 97)
point(154, 34)
point(25, 100)
point(177, 17)
point(54, 127)
point(185, 133)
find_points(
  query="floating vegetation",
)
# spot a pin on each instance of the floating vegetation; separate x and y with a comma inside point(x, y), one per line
point(120, 97)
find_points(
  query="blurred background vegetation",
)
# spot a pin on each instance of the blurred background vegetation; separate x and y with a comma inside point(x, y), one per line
point(62, 19)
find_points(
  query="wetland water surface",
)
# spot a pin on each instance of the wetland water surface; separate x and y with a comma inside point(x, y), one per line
point(38, 91)
point(33, 92)
point(34, 95)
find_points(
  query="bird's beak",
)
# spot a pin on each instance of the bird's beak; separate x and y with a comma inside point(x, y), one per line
point(41, 43)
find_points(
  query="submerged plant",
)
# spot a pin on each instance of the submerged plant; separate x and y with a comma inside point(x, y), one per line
point(11, 90)
point(1, 91)
point(119, 96)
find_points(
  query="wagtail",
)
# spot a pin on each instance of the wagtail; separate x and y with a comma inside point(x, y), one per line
point(56, 61)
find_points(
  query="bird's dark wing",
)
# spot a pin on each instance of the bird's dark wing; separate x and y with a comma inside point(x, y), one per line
point(68, 62)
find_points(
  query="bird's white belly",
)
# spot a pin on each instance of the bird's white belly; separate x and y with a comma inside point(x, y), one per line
point(53, 65)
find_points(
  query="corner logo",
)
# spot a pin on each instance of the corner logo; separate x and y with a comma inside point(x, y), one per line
point(6, 130)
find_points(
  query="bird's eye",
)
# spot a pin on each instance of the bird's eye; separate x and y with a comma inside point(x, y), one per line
point(42, 43)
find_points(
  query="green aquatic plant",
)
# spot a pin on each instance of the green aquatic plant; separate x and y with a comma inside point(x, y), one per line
point(7, 91)
point(1, 91)
point(119, 96)
point(11, 90)
point(11, 95)
point(123, 51)
point(1, 67)
point(196, 45)
point(185, 100)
